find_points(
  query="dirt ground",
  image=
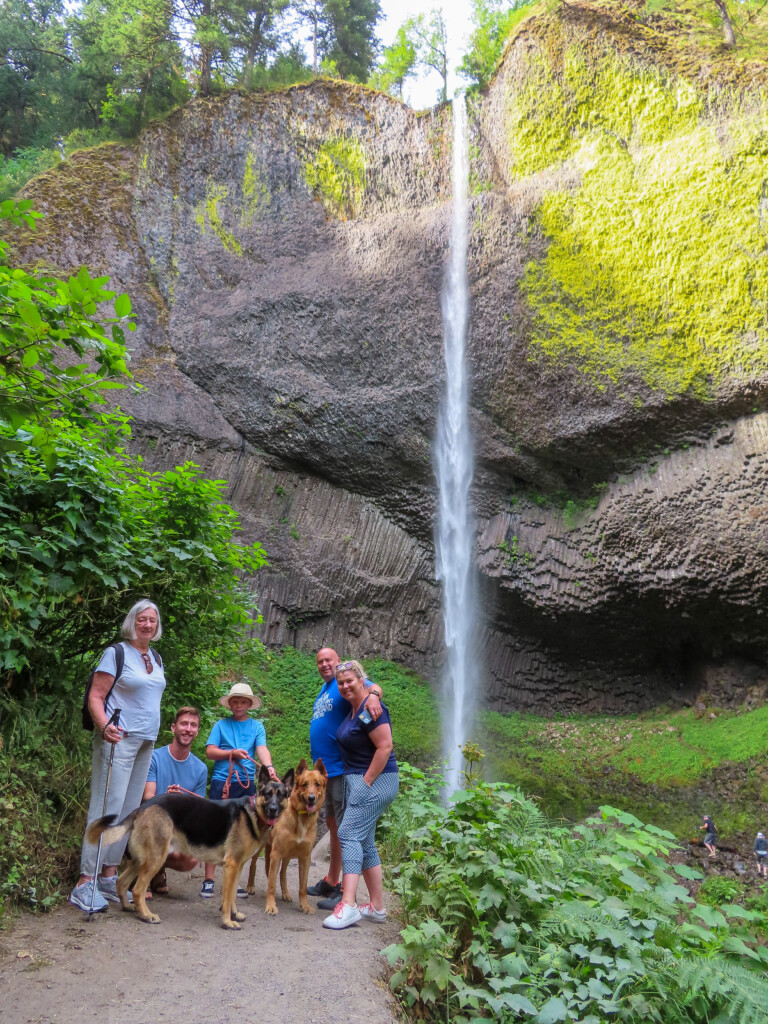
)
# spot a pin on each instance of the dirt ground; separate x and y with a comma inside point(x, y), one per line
point(287, 969)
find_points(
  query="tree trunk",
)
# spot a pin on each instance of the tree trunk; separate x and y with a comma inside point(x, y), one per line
point(729, 36)
point(254, 43)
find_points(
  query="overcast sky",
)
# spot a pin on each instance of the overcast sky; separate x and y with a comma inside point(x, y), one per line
point(424, 91)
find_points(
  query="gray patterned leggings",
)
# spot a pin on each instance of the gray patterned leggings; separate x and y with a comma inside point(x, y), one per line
point(363, 806)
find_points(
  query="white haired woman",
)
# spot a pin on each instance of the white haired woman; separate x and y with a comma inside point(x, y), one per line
point(136, 690)
point(371, 782)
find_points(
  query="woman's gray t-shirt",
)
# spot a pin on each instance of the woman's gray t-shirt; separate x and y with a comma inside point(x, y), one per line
point(137, 692)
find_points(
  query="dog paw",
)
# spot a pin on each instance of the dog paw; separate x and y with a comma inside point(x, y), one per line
point(251, 890)
point(232, 926)
point(306, 909)
point(150, 919)
point(286, 897)
point(237, 916)
point(270, 909)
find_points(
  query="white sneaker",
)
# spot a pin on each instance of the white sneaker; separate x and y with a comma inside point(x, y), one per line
point(82, 896)
point(108, 888)
point(370, 913)
point(343, 916)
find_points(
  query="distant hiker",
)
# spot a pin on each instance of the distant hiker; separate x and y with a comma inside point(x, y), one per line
point(710, 836)
point(761, 854)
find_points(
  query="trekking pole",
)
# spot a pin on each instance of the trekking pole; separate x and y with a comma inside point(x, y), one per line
point(114, 720)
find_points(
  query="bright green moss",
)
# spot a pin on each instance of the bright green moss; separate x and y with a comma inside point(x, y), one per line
point(337, 176)
point(207, 213)
point(256, 194)
point(656, 266)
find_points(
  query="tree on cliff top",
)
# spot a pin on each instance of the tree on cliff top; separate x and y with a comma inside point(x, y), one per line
point(428, 35)
point(341, 33)
point(398, 63)
point(492, 21)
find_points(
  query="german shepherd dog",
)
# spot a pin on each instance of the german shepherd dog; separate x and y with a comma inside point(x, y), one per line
point(224, 832)
point(294, 834)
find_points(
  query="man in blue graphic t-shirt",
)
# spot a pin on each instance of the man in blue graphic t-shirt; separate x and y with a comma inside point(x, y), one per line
point(327, 715)
point(173, 769)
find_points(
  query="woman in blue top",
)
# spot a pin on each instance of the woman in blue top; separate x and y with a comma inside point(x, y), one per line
point(238, 738)
point(370, 785)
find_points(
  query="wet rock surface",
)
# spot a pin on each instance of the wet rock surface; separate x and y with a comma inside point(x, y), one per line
point(290, 342)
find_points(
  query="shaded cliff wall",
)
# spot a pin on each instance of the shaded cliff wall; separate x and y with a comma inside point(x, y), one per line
point(285, 254)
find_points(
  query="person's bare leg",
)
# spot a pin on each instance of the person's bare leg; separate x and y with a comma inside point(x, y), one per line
point(349, 889)
point(373, 880)
point(210, 871)
point(334, 867)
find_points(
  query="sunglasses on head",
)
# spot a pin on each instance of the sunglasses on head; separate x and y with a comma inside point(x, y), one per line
point(346, 666)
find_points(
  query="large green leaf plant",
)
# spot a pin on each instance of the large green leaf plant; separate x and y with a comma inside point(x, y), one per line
point(510, 917)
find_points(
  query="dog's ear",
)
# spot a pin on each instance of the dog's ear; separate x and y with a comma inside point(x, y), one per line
point(320, 767)
point(302, 767)
point(289, 780)
point(263, 775)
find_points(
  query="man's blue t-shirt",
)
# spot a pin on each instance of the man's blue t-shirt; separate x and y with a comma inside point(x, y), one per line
point(231, 735)
point(327, 715)
point(165, 771)
point(355, 746)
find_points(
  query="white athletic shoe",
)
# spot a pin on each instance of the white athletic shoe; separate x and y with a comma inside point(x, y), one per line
point(108, 888)
point(370, 913)
point(343, 916)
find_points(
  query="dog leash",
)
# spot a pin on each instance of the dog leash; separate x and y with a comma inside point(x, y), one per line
point(233, 771)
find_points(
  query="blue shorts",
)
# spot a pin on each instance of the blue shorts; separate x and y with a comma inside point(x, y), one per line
point(235, 789)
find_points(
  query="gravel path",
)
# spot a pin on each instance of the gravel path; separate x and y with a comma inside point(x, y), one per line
point(187, 970)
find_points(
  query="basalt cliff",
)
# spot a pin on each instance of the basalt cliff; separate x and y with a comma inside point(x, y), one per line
point(285, 255)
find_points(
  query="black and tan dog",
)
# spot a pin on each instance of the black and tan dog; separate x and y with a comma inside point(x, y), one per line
point(224, 832)
point(295, 832)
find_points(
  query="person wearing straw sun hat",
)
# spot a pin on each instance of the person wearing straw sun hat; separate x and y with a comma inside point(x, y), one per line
point(238, 740)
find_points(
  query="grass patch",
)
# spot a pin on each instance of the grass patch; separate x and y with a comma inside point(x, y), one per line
point(658, 764)
point(662, 747)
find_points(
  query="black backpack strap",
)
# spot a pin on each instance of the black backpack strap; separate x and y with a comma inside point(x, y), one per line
point(156, 656)
point(119, 665)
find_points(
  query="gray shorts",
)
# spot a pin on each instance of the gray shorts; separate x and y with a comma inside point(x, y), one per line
point(334, 798)
point(710, 838)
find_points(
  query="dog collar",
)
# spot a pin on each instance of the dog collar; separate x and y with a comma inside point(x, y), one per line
point(305, 811)
point(259, 814)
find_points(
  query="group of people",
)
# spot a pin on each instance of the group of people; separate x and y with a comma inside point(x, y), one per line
point(759, 847)
point(350, 730)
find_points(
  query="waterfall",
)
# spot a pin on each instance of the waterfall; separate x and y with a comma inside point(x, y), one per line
point(454, 537)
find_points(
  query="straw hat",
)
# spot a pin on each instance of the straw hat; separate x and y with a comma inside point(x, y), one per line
point(241, 690)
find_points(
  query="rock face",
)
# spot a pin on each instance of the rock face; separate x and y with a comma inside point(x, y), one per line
point(285, 255)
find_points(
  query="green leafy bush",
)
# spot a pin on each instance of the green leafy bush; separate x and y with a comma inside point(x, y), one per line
point(81, 541)
point(510, 917)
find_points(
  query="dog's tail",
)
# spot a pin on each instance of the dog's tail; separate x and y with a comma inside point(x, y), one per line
point(104, 829)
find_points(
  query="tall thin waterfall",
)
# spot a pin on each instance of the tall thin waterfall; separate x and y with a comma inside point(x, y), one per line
point(454, 538)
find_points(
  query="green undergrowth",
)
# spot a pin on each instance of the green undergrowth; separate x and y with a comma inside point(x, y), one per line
point(660, 763)
point(655, 273)
point(509, 916)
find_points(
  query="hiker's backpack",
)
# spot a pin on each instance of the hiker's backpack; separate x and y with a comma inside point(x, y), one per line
point(119, 662)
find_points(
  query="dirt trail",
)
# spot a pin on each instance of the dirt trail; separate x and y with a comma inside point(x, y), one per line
point(187, 970)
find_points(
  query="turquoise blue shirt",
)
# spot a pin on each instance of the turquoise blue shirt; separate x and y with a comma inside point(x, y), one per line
point(231, 735)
